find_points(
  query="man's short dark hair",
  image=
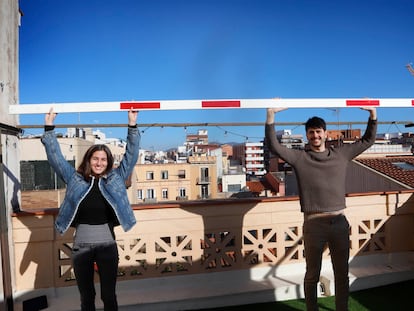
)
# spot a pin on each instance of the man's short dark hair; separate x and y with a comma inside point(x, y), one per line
point(315, 123)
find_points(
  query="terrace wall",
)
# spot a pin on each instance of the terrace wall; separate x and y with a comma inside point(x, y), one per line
point(218, 249)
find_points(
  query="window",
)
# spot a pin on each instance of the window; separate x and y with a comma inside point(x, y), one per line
point(150, 194)
point(404, 166)
point(204, 171)
point(150, 175)
point(181, 174)
point(234, 188)
point(204, 192)
point(164, 174)
point(139, 194)
point(181, 192)
point(165, 193)
point(204, 174)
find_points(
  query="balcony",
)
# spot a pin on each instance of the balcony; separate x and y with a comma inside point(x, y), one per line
point(181, 198)
point(203, 197)
point(254, 151)
point(247, 159)
point(217, 253)
point(251, 144)
point(254, 165)
point(204, 180)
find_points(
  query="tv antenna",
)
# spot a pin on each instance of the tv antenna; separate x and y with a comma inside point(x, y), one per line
point(410, 68)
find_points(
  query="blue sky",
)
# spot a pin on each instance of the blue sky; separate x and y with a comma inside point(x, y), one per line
point(116, 50)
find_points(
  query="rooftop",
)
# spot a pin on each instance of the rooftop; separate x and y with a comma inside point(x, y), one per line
point(393, 168)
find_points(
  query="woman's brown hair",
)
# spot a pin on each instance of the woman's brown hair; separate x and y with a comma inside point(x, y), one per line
point(85, 167)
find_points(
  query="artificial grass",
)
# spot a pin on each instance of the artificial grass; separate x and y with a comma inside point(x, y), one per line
point(393, 297)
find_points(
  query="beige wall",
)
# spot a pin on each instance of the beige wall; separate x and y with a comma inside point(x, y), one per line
point(32, 149)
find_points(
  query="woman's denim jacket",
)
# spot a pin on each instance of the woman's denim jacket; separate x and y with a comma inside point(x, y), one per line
point(111, 185)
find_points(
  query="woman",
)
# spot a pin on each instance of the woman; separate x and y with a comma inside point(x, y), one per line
point(96, 200)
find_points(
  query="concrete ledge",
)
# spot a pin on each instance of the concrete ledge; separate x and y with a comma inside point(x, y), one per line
point(372, 271)
point(187, 292)
point(192, 292)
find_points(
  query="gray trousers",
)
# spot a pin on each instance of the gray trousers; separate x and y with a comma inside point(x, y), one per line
point(317, 233)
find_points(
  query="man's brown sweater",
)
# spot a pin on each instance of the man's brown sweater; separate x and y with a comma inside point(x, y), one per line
point(321, 176)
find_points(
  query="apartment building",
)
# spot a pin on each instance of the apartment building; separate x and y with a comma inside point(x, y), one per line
point(251, 157)
point(162, 182)
point(201, 138)
point(294, 141)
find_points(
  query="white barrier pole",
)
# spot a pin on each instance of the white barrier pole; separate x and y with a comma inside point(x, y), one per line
point(209, 104)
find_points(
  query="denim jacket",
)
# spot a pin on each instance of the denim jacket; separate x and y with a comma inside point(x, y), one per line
point(111, 185)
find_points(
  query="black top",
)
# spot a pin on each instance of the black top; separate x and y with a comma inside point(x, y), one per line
point(94, 209)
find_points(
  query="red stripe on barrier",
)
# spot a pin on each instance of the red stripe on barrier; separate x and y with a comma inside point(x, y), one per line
point(362, 102)
point(412, 102)
point(140, 105)
point(220, 104)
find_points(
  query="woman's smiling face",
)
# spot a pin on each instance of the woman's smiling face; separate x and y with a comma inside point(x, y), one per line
point(99, 162)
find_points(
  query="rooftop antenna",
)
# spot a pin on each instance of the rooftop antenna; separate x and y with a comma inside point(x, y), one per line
point(337, 112)
point(410, 68)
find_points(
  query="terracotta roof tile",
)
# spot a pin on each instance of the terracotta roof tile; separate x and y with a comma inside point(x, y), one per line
point(386, 166)
point(255, 186)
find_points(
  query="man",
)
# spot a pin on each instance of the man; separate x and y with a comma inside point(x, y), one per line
point(321, 175)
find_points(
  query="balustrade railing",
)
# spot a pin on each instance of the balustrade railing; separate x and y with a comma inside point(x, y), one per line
point(191, 237)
